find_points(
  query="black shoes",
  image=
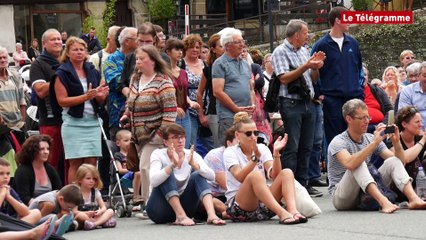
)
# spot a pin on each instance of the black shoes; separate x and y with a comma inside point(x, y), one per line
point(313, 192)
point(318, 183)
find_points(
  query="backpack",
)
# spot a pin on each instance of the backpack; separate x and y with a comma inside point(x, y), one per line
point(271, 102)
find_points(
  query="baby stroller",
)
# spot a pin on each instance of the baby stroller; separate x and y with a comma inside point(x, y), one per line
point(119, 197)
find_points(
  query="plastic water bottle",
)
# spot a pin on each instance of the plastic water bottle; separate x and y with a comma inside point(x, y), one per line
point(421, 183)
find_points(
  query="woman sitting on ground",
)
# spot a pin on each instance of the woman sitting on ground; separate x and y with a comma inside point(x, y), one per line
point(35, 176)
point(248, 195)
point(179, 182)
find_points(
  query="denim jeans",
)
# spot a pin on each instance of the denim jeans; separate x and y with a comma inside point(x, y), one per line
point(298, 119)
point(185, 122)
point(314, 172)
point(158, 207)
point(195, 124)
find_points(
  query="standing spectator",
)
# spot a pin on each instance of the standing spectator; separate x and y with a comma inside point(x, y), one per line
point(406, 57)
point(151, 106)
point(79, 92)
point(93, 44)
point(292, 65)
point(42, 71)
point(205, 97)
point(113, 71)
point(415, 94)
point(340, 78)
point(160, 43)
point(64, 37)
point(267, 73)
point(146, 36)
point(232, 84)
point(204, 55)
point(33, 51)
point(20, 56)
point(35, 176)
point(12, 109)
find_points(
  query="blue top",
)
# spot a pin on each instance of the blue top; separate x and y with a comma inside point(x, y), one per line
point(93, 44)
point(286, 58)
point(342, 74)
point(6, 208)
point(414, 95)
point(237, 75)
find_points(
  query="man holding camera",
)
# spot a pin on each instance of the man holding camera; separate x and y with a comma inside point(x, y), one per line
point(351, 151)
point(296, 71)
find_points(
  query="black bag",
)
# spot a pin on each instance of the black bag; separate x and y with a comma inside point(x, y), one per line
point(271, 102)
point(299, 87)
point(367, 202)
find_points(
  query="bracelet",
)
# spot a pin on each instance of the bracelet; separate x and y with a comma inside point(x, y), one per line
point(421, 144)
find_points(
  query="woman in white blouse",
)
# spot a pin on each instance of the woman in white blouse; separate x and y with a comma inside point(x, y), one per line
point(179, 182)
point(248, 195)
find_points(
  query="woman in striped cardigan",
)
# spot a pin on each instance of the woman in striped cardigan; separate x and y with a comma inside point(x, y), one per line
point(151, 105)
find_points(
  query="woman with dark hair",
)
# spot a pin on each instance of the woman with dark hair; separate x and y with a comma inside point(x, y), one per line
point(33, 51)
point(80, 93)
point(35, 176)
point(150, 107)
point(179, 182)
point(208, 117)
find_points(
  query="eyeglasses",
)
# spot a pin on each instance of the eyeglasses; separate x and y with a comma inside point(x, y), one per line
point(365, 118)
point(239, 42)
point(177, 137)
point(249, 133)
point(409, 57)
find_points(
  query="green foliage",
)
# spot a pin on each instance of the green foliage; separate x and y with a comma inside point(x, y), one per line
point(161, 9)
point(381, 45)
point(362, 5)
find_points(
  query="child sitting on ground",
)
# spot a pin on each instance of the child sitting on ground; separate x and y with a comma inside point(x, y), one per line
point(10, 203)
point(61, 203)
point(123, 138)
point(93, 212)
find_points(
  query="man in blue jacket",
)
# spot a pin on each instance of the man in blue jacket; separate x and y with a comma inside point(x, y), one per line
point(92, 41)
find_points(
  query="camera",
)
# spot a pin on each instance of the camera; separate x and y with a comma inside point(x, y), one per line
point(390, 129)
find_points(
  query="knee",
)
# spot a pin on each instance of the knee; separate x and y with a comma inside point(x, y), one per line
point(286, 173)
point(256, 176)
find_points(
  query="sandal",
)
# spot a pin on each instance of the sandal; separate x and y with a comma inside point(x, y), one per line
point(301, 217)
point(65, 223)
point(216, 222)
point(286, 222)
point(48, 230)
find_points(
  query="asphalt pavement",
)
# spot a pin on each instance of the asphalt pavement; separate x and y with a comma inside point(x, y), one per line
point(330, 225)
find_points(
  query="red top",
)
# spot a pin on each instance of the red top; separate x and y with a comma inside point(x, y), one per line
point(181, 85)
point(373, 106)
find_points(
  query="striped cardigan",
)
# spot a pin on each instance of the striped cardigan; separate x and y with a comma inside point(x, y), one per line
point(152, 108)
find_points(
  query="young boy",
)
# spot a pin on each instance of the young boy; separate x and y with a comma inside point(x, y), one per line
point(123, 138)
point(10, 203)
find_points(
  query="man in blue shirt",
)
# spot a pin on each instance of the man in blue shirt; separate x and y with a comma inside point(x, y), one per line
point(92, 41)
point(341, 78)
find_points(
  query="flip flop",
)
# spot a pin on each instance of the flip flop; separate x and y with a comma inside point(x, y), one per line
point(216, 222)
point(65, 224)
point(301, 219)
point(51, 227)
point(285, 222)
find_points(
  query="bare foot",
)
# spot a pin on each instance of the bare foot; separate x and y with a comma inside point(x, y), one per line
point(184, 221)
point(417, 204)
point(389, 207)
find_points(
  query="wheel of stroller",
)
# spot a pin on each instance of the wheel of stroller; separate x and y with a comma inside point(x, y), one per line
point(129, 211)
point(120, 212)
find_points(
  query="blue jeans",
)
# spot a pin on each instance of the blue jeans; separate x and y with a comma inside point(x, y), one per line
point(185, 122)
point(158, 207)
point(298, 119)
point(314, 172)
point(194, 129)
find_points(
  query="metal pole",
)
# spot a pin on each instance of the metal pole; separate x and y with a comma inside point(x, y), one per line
point(271, 30)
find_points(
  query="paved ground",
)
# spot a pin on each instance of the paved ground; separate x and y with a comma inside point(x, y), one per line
point(330, 225)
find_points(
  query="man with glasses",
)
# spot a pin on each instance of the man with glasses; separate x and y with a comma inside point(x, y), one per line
point(231, 78)
point(406, 57)
point(415, 93)
point(296, 70)
point(348, 156)
point(113, 68)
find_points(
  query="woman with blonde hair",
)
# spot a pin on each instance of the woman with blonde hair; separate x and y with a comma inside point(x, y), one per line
point(248, 196)
point(391, 83)
point(80, 93)
point(150, 107)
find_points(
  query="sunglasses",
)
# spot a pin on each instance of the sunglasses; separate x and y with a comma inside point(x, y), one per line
point(249, 133)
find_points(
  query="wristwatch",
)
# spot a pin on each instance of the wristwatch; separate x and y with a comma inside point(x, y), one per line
point(254, 158)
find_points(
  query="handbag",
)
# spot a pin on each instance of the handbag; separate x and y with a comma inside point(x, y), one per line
point(132, 157)
point(299, 87)
point(367, 202)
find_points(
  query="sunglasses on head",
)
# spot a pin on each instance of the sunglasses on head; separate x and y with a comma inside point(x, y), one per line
point(249, 133)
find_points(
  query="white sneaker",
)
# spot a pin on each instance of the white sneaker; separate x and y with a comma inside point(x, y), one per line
point(142, 215)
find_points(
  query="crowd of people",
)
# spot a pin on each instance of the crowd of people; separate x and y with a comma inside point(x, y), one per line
point(196, 114)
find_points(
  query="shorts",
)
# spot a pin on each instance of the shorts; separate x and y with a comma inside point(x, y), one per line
point(237, 214)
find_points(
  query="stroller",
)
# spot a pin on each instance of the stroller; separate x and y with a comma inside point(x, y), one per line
point(119, 197)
